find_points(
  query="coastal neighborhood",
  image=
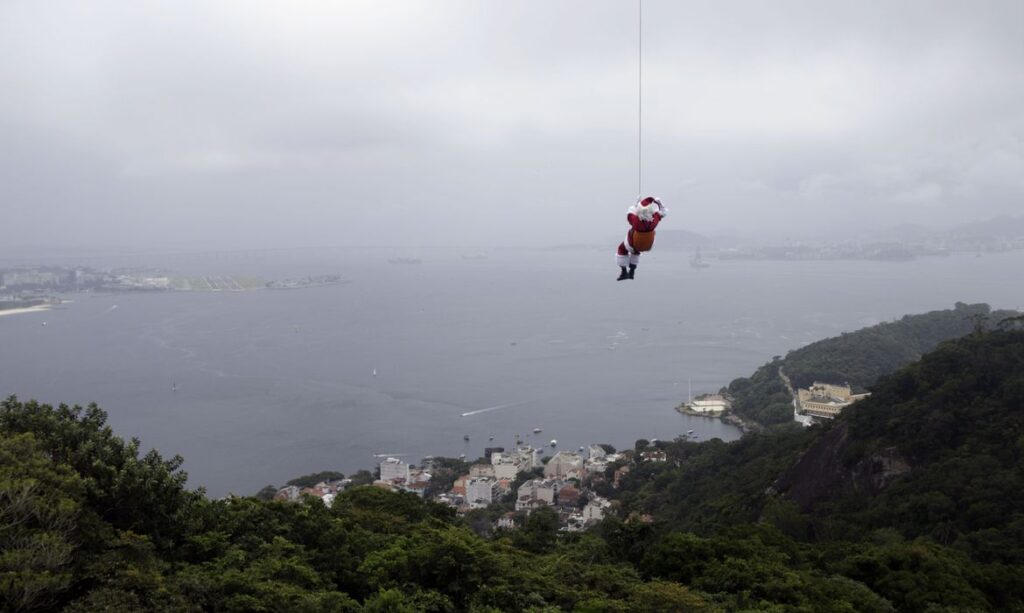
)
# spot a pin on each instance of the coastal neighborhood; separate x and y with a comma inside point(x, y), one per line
point(34, 287)
point(508, 485)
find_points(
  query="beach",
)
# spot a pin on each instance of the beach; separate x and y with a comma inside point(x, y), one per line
point(31, 309)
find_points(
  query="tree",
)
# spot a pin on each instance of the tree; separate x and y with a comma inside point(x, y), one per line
point(314, 478)
point(267, 493)
point(144, 494)
point(363, 477)
point(40, 502)
point(667, 597)
point(539, 532)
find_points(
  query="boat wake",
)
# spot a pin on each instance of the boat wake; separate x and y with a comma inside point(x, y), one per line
point(489, 409)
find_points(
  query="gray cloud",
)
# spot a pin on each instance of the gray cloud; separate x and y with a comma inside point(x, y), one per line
point(277, 123)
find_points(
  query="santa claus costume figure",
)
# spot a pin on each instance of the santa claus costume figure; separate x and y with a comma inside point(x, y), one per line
point(643, 218)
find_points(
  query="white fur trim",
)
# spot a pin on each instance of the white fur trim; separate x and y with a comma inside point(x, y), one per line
point(629, 246)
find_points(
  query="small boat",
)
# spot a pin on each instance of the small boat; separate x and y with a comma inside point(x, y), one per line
point(581, 447)
point(689, 431)
point(374, 372)
point(462, 456)
point(697, 261)
point(490, 438)
point(465, 437)
point(537, 430)
point(554, 442)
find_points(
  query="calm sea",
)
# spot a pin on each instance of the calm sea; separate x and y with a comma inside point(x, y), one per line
point(257, 387)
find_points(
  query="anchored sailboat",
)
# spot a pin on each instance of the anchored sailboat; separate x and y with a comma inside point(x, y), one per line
point(697, 262)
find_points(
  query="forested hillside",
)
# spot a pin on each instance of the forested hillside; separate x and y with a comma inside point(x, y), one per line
point(915, 492)
point(858, 358)
point(910, 501)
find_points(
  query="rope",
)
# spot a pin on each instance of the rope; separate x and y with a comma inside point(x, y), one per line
point(640, 99)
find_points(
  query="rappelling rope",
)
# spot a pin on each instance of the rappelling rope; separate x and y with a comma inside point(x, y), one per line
point(640, 99)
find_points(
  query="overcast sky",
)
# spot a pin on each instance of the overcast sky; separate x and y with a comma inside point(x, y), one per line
point(241, 124)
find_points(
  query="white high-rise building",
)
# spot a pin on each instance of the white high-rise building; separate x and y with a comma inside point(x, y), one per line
point(529, 458)
point(392, 469)
point(505, 466)
point(596, 509)
point(564, 465)
point(480, 492)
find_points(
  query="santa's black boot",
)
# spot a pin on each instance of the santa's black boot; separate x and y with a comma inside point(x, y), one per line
point(623, 275)
point(632, 271)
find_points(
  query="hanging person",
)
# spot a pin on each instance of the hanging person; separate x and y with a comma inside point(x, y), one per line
point(643, 218)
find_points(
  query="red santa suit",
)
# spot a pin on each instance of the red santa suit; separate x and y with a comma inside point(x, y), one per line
point(642, 217)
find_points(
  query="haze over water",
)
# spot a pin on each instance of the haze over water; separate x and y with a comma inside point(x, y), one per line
point(271, 385)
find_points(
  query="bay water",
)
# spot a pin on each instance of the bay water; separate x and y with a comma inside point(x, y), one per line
point(257, 387)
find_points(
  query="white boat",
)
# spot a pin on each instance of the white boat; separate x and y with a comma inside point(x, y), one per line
point(697, 261)
point(554, 442)
point(537, 430)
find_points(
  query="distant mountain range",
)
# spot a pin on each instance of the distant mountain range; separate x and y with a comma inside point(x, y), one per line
point(998, 227)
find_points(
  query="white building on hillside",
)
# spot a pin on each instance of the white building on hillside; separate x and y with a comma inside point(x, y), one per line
point(528, 458)
point(826, 400)
point(480, 492)
point(564, 465)
point(505, 465)
point(536, 492)
point(711, 404)
point(481, 470)
point(595, 509)
point(393, 469)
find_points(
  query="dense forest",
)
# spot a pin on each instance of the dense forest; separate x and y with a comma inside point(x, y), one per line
point(858, 358)
point(912, 500)
point(915, 492)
